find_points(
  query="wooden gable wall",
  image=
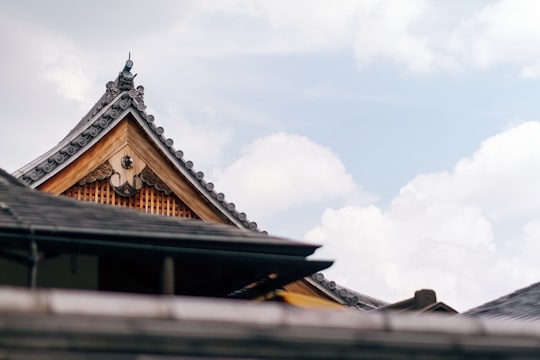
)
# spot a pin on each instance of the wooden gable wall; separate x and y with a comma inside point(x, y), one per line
point(163, 189)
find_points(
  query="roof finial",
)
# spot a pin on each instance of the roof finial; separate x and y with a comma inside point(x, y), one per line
point(125, 79)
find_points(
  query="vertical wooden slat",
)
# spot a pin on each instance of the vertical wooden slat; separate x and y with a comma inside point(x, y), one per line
point(152, 203)
point(148, 199)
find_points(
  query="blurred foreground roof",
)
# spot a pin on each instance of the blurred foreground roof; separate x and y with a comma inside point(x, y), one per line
point(63, 324)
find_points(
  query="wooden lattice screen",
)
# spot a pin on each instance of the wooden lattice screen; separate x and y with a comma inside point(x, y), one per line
point(147, 199)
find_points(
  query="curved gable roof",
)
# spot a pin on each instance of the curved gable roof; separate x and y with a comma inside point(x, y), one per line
point(120, 99)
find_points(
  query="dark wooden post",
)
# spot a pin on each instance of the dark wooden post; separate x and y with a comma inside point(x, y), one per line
point(33, 260)
point(167, 277)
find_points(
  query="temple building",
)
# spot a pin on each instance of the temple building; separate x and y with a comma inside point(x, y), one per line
point(117, 155)
point(112, 246)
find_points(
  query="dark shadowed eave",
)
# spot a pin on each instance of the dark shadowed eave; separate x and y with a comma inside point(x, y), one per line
point(31, 219)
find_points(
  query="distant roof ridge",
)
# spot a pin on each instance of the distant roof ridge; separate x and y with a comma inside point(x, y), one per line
point(519, 304)
point(350, 297)
point(122, 96)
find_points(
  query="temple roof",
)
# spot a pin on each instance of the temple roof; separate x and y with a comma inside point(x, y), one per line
point(25, 211)
point(121, 97)
point(345, 295)
point(521, 304)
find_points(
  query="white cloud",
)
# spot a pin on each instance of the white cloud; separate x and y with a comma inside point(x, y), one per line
point(64, 69)
point(283, 170)
point(214, 28)
point(470, 234)
point(399, 31)
point(54, 58)
point(33, 77)
point(530, 71)
point(203, 140)
point(421, 35)
point(506, 31)
point(425, 36)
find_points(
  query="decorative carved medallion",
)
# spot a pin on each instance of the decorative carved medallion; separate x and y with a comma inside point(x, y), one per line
point(127, 162)
point(121, 183)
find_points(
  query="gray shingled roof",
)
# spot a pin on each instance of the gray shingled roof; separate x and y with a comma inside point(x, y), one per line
point(52, 221)
point(523, 304)
point(120, 98)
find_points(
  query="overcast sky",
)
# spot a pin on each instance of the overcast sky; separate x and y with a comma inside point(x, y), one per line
point(403, 136)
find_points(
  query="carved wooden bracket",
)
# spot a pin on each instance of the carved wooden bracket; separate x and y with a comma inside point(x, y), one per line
point(128, 188)
point(126, 173)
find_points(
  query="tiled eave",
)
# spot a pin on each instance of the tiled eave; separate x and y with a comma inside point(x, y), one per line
point(344, 295)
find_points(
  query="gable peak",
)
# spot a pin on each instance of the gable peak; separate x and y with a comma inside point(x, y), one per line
point(125, 78)
point(120, 97)
point(125, 82)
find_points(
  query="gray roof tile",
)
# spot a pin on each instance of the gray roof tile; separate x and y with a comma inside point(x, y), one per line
point(349, 297)
point(522, 304)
